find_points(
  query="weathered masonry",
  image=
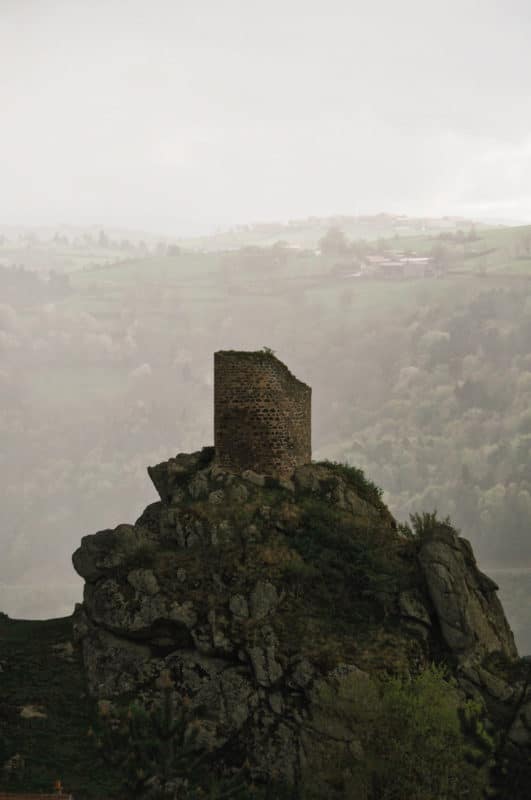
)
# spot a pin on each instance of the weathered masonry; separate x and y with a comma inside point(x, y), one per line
point(262, 414)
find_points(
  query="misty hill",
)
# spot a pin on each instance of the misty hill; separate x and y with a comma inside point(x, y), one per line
point(70, 247)
point(424, 383)
point(306, 233)
point(455, 242)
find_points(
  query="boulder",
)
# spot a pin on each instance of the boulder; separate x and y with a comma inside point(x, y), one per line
point(254, 477)
point(171, 475)
point(263, 599)
point(102, 554)
point(470, 614)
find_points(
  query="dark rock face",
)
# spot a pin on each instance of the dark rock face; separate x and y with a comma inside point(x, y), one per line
point(209, 584)
point(170, 476)
point(470, 615)
point(474, 628)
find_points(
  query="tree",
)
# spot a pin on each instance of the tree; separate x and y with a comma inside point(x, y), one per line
point(411, 739)
point(103, 239)
point(334, 243)
point(159, 752)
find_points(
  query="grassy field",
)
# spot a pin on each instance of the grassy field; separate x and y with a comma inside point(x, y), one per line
point(504, 250)
point(44, 257)
point(162, 283)
point(38, 671)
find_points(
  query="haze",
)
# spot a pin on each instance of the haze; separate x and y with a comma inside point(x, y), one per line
point(178, 117)
point(328, 180)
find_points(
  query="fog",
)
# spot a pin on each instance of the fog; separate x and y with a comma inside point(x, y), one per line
point(177, 117)
point(179, 178)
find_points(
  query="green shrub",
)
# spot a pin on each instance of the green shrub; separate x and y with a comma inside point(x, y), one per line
point(405, 530)
point(298, 575)
point(426, 523)
point(355, 478)
point(421, 749)
point(351, 564)
point(409, 741)
point(481, 743)
point(155, 748)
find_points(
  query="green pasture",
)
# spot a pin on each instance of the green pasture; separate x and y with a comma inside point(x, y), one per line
point(163, 285)
point(158, 270)
point(42, 257)
point(159, 286)
point(494, 250)
point(38, 672)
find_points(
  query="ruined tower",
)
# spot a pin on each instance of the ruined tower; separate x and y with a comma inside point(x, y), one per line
point(262, 414)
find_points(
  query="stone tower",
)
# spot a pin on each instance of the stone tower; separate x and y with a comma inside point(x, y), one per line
point(262, 414)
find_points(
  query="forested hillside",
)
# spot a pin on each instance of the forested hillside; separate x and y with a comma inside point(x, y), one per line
point(426, 384)
point(442, 415)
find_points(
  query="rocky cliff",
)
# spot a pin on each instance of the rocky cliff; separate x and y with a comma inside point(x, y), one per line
point(257, 594)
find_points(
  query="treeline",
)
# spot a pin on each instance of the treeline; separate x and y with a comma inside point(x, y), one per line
point(443, 417)
point(21, 285)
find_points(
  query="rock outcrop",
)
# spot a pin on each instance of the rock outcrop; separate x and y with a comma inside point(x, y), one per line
point(470, 615)
point(232, 582)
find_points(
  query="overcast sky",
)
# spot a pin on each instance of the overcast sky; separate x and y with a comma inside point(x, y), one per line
point(181, 115)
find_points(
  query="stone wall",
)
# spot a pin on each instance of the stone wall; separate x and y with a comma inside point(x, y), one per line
point(262, 414)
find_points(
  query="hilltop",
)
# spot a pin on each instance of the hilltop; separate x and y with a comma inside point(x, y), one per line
point(263, 600)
